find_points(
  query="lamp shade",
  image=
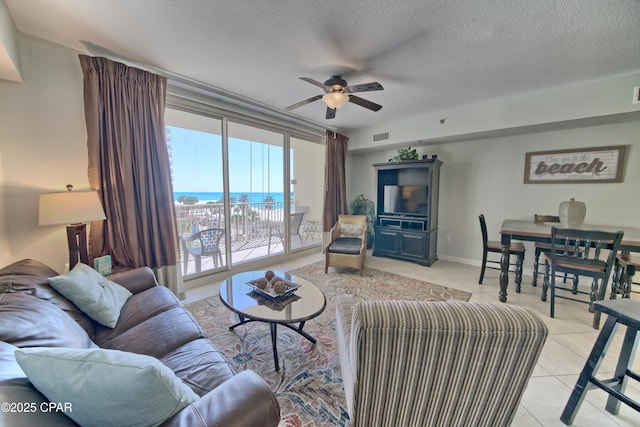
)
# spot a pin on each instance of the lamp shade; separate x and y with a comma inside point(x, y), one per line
point(70, 207)
point(335, 99)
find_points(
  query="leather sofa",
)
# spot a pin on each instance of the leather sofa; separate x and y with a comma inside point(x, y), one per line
point(152, 322)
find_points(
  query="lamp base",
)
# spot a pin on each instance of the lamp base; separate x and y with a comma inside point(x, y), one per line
point(77, 239)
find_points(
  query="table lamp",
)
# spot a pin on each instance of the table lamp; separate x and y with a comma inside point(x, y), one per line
point(74, 208)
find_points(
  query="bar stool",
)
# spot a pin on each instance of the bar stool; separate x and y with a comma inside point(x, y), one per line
point(626, 266)
point(625, 312)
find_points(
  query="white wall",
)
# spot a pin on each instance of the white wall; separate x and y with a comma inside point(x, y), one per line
point(308, 171)
point(43, 146)
point(5, 247)
point(598, 102)
point(9, 53)
point(486, 176)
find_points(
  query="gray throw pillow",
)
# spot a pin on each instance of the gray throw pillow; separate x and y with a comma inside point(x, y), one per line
point(106, 387)
point(97, 297)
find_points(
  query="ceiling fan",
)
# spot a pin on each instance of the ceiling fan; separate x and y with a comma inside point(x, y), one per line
point(337, 93)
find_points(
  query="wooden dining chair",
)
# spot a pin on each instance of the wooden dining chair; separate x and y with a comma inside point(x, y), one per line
point(627, 265)
point(494, 246)
point(590, 253)
point(543, 247)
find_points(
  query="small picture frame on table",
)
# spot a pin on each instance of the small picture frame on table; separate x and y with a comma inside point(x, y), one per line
point(103, 265)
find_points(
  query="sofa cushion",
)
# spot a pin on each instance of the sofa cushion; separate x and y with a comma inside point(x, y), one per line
point(100, 298)
point(158, 335)
point(30, 277)
point(106, 387)
point(138, 308)
point(24, 274)
point(27, 321)
point(15, 387)
point(346, 245)
point(199, 365)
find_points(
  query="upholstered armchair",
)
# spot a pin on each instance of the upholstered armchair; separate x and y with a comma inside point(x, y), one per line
point(347, 246)
point(418, 363)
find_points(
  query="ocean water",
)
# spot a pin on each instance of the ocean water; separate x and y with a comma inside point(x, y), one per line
point(213, 196)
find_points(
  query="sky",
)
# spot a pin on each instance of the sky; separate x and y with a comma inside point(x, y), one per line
point(197, 163)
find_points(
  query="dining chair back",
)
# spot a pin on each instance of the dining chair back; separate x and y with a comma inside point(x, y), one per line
point(578, 252)
point(515, 248)
point(541, 247)
point(203, 243)
point(626, 267)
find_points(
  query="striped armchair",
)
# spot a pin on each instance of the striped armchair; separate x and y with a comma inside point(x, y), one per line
point(415, 363)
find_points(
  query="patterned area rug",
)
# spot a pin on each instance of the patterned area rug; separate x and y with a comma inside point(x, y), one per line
point(308, 385)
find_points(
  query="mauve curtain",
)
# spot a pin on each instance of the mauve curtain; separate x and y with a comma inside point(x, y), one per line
point(335, 185)
point(129, 166)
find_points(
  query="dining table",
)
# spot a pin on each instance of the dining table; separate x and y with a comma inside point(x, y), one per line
point(530, 231)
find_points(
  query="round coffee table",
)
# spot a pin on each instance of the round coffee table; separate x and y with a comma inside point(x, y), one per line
point(305, 303)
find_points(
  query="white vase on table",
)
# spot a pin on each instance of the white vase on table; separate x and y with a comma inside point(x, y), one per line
point(572, 213)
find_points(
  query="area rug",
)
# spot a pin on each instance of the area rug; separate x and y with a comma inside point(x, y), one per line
point(308, 385)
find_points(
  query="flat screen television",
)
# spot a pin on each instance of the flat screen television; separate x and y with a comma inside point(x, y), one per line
point(405, 199)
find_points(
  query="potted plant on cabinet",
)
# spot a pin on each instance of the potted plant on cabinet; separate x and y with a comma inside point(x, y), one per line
point(363, 206)
point(405, 154)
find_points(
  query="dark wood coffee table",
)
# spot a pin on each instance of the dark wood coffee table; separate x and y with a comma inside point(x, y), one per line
point(305, 303)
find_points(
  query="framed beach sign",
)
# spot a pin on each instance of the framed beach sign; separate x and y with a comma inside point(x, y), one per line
point(577, 166)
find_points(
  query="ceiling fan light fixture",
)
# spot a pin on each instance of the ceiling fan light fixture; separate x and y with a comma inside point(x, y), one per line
point(335, 99)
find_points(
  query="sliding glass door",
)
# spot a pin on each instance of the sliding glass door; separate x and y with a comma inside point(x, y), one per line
point(242, 192)
point(196, 153)
point(306, 186)
point(256, 192)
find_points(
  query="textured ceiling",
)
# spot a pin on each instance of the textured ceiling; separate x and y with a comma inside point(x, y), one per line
point(429, 55)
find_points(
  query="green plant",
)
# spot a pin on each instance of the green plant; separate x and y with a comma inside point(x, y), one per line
point(405, 154)
point(363, 206)
point(188, 200)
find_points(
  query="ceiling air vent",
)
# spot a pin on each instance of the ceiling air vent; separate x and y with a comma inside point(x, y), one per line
point(381, 137)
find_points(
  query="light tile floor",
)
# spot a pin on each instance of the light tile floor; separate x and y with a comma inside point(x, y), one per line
point(563, 356)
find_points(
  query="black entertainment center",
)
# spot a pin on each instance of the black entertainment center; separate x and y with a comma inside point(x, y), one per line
point(407, 210)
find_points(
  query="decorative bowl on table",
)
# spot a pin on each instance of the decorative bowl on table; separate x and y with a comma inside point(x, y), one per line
point(277, 287)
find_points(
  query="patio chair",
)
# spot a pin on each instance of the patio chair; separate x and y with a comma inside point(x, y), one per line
point(208, 245)
point(295, 222)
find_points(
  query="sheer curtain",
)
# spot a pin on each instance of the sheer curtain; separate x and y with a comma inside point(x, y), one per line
point(335, 186)
point(129, 166)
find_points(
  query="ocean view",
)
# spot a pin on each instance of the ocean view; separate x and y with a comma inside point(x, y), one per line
point(215, 196)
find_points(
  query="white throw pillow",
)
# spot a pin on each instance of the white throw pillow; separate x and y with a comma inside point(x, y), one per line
point(91, 292)
point(351, 230)
point(106, 387)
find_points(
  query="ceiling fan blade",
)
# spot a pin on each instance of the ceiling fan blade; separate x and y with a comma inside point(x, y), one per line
point(364, 103)
point(365, 87)
point(331, 113)
point(301, 103)
point(314, 82)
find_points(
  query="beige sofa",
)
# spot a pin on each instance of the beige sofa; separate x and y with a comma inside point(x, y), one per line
point(414, 363)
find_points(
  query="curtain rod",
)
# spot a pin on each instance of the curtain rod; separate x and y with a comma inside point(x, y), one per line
point(180, 86)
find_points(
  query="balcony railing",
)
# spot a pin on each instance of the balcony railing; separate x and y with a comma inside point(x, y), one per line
point(252, 226)
point(248, 221)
